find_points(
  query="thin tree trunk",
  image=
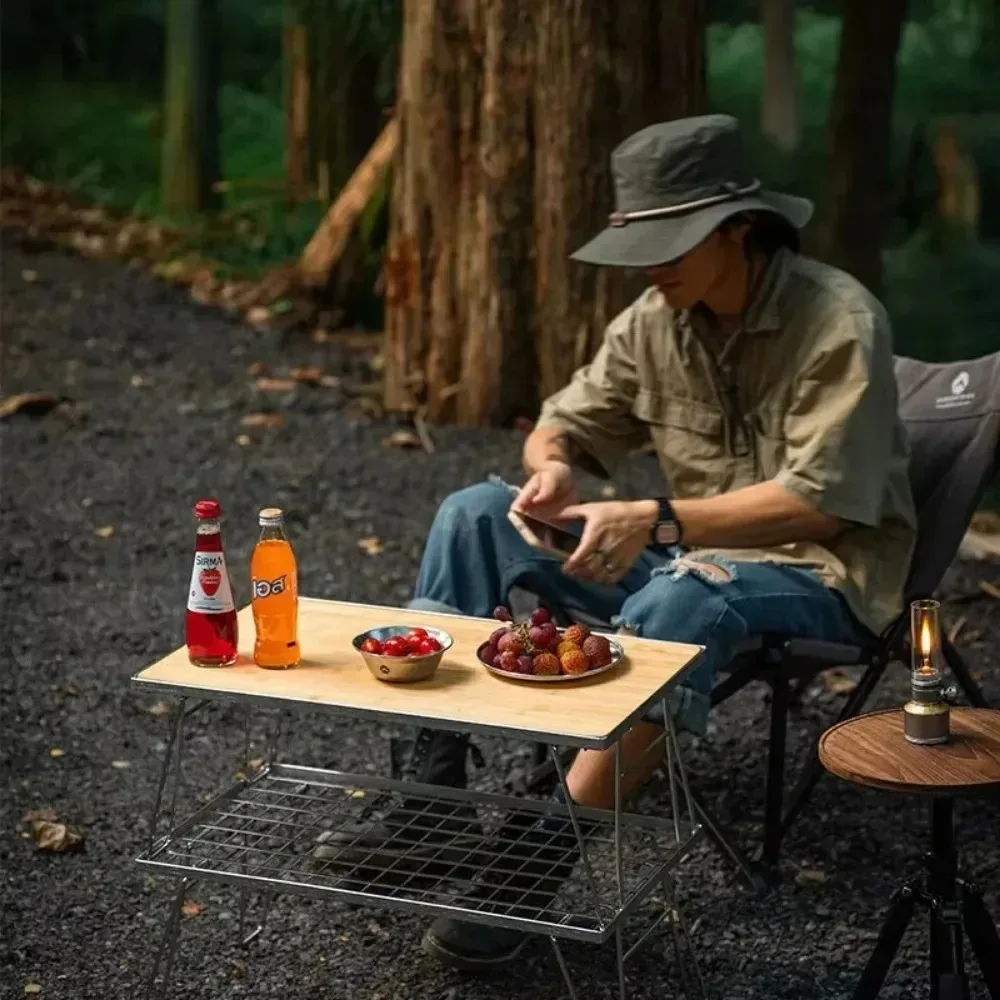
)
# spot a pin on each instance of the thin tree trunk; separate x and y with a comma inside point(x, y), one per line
point(190, 154)
point(855, 217)
point(779, 97)
point(509, 110)
point(295, 45)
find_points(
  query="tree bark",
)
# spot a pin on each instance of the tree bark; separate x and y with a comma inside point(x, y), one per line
point(854, 216)
point(295, 46)
point(779, 95)
point(190, 153)
point(508, 111)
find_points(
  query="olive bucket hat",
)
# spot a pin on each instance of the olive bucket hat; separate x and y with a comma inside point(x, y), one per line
point(676, 182)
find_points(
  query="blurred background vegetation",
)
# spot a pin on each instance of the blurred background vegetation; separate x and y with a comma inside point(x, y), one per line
point(83, 99)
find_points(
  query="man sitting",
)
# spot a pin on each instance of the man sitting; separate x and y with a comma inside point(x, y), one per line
point(765, 380)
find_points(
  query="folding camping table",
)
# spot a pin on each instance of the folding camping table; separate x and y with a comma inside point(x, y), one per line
point(258, 834)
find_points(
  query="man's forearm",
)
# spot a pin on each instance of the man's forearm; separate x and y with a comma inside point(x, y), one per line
point(545, 444)
point(759, 515)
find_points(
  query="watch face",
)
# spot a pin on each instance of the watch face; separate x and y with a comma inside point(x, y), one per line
point(666, 533)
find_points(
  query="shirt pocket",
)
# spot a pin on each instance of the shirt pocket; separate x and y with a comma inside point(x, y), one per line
point(769, 434)
point(689, 438)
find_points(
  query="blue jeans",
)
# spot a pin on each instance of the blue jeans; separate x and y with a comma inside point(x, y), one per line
point(474, 556)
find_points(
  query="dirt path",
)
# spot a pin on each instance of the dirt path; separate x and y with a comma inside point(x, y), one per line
point(158, 387)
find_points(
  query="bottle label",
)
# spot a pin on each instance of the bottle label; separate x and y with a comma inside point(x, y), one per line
point(269, 588)
point(210, 592)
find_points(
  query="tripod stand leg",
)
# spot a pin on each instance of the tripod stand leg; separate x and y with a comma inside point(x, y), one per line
point(893, 928)
point(983, 937)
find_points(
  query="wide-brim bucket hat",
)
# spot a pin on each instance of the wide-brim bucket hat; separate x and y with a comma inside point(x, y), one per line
point(675, 183)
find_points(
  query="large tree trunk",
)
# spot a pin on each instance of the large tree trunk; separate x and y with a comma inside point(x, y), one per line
point(508, 112)
point(190, 155)
point(855, 209)
point(295, 52)
point(779, 99)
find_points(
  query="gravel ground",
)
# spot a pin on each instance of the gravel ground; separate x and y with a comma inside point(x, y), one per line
point(84, 609)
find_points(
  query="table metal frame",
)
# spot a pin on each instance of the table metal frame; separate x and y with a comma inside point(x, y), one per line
point(258, 835)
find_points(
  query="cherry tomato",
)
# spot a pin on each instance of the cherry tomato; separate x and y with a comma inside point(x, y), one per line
point(415, 635)
point(426, 646)
point(371, 645)
point(433, 643)
point(395, 646)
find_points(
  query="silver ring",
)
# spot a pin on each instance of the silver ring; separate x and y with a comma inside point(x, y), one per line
point(609, 566)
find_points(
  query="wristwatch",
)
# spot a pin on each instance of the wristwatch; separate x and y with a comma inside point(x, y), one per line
point(666, 531)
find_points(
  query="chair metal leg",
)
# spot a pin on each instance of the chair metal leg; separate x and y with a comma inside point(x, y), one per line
point(813, 769)
point(775, 791)
point(962, 674)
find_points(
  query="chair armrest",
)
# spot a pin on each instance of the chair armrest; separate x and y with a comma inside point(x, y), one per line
point(833, 654)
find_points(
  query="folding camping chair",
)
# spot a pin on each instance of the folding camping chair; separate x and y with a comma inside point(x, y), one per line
point(952, 415)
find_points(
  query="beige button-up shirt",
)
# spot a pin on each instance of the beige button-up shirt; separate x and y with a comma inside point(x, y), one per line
point(803, 393)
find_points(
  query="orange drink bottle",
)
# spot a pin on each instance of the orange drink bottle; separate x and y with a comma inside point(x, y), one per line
point(275, 588)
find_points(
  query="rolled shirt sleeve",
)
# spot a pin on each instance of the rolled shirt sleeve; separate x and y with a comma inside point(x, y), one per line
point(839, 430)
point(595, 409)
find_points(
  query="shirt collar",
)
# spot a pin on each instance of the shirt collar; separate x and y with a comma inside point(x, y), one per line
point(762, 315)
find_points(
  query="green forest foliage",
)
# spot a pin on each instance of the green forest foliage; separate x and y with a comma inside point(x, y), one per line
point(64, 121)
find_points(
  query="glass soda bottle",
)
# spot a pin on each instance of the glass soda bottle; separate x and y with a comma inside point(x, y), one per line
point(275, 588)
point(211, 632)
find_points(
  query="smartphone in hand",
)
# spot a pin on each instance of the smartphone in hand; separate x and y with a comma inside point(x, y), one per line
point(553, 539)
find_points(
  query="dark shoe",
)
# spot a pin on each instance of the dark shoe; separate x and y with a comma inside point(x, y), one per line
point(410, 834)
point(472, 947)
point(532, 861)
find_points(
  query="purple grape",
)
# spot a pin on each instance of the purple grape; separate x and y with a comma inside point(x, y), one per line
point(489, 656)
point(539, 616)
point(502, 614)
point(495, 637)
point(524, 664)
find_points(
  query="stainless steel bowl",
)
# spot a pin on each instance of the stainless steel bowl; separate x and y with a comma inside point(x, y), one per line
point(401, 669)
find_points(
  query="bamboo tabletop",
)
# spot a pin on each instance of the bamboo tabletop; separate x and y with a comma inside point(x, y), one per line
point(872, 750)
point(462, 695)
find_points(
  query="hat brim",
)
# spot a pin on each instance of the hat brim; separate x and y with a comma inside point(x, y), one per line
point(659, 241)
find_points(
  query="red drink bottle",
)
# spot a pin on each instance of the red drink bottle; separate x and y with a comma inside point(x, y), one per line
point(210, 624)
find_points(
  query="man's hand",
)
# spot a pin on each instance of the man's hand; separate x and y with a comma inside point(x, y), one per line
point(547, 491)
point(614, 535)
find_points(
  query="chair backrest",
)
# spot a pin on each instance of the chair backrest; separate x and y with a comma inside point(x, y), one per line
point(952, 415)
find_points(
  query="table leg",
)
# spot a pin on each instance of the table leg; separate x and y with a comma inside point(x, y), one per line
point(983, 937)
point(948, 979)
point(893, 928)
point(167, 951)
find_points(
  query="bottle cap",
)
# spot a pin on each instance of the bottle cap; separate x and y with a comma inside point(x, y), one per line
point(270, 516)
point(207, 510)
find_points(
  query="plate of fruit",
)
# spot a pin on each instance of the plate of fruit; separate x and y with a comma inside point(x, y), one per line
point(536, 650)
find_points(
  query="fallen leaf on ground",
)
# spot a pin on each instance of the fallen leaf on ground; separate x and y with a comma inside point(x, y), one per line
point(44, 815)
point(259, 315)
point(56, 752)
point(810, 876)
point(275, 384)
point(105, 531)
point(189, 908)
point(32, 988)
point(137, 381)
point(403, 439)
point(836, 682)
point(312, 374)
point(159, 709)
point(330, 382)
point(271, 420)
point(58, 838)
point(256, 368)
point(370, 546)
point(242, 440)
point(120, 765)
point(35, 404)
point(29, 275)
point(357, 793)
point(256, 763)
point(71, 689)
point(990, 588)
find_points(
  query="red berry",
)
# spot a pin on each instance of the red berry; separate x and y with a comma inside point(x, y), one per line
point(507, 661)
point(540, 616)
point(502, 614)
point(371, 645)
point(524, 664)
point(396, 646)
point(510, 643)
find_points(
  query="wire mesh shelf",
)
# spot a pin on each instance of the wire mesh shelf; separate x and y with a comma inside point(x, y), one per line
point(494, 859)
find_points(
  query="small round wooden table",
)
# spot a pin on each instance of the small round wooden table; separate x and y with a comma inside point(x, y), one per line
point(871, 750)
